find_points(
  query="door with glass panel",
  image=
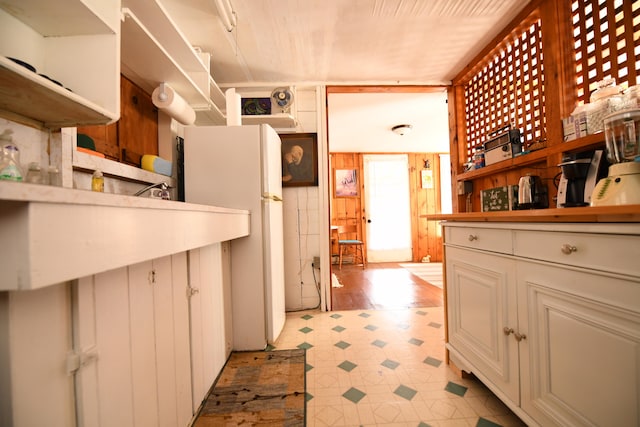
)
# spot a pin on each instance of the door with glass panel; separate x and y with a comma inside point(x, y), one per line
point(387, 209)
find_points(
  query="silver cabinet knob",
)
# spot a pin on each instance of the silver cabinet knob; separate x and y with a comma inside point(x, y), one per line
point(568, 249)
point(472, 237)
point(507, 331)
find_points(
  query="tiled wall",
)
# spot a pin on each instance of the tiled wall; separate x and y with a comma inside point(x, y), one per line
point(301, 244)
point(302, 224)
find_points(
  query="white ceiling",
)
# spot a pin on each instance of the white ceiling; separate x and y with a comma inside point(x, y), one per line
point(362, 122)
point(342, 41)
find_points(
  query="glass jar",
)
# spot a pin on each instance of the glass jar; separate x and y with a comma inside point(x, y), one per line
point(10, 168)
point(97, 181)
point(34, 174)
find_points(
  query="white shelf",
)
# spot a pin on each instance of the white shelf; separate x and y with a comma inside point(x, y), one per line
point(29, 95)
point(64, 17)
point(55, 234)
point(75, 42)
point(84, 161)
point(164, 30)
point(155, 51)
point(281, 120)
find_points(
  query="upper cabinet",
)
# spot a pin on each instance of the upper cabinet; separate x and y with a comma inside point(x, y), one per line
point(60, 61)
point(154, 50)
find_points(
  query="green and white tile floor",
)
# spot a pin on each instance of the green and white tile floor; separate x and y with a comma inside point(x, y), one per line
point(386, 368)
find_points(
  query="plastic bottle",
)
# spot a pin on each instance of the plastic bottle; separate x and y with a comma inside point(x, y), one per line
point(97, 181)
point(10, 168)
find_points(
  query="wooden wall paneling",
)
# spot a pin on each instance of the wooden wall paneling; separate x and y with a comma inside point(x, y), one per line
point(138, 127)
point(105, 138)
point(426, 236)
point(348, 210)
point(458, 142)
point(418, 205)
point(434, 230)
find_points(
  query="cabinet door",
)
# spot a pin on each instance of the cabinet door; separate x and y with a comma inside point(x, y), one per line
point(481, 302)
point(580, 362)
point(208, 344)
point(35, 339)
point(131, 326)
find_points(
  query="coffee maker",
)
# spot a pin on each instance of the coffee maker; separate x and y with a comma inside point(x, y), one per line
point(580, 174)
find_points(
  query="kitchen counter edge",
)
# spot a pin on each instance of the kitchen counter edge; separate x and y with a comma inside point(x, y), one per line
point(604, 214)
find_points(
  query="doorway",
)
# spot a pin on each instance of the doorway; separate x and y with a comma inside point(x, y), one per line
point(387, 207)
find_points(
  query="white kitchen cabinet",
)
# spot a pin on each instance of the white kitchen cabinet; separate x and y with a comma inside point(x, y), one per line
point(132, 329)
point(581, 358)
point(35, 339)
point(548, 316)
point(211, 332)
point(46, 227)
point(482, 300)
point(74, 42)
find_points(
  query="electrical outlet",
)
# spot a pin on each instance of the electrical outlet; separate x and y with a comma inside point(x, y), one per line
point(465, 187)
point(316, 262)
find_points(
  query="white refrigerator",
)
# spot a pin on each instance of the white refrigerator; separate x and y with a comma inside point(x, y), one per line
point(241, 167)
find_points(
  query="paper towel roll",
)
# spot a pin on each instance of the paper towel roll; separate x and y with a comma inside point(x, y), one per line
point(234, 107)
point(167, 100)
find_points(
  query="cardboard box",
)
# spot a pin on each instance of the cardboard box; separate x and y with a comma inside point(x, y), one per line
point(575, 126)
point(499, 198)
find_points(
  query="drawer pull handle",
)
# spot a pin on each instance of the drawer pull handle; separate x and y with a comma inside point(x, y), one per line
point(472, 237)
point(519, 337)
point(507, 331)
point(568, 249)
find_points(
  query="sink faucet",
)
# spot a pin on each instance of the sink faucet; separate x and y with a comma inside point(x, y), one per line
point(162, 185)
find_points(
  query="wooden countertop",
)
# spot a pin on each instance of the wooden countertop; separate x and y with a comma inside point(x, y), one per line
point(628, 213)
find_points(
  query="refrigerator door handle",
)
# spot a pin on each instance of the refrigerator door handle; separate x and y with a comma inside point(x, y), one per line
point(268, 196)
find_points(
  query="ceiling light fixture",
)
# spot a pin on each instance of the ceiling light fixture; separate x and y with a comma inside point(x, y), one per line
point(226, 13)
point(402, 129)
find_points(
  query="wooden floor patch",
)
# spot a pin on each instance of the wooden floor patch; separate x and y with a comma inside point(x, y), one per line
point(265, 388)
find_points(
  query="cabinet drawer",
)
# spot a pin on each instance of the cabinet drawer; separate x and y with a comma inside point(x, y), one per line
point(606, 252)
point(489, 239)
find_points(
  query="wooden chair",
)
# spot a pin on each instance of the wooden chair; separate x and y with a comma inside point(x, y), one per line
point(346, 241)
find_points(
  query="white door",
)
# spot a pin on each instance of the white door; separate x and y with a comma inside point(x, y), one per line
point(386, 183)
point(271, 162)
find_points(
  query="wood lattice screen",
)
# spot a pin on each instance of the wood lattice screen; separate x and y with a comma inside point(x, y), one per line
point(509, 89)
point(606, 35)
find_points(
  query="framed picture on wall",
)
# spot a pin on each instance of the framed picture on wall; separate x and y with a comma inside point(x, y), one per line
point(299, 160)
point(346, 183)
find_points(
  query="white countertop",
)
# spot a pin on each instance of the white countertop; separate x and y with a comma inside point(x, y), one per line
point(52, 234)
point(23, 192)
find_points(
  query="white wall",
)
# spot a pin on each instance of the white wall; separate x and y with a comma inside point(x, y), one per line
point(302, 219)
